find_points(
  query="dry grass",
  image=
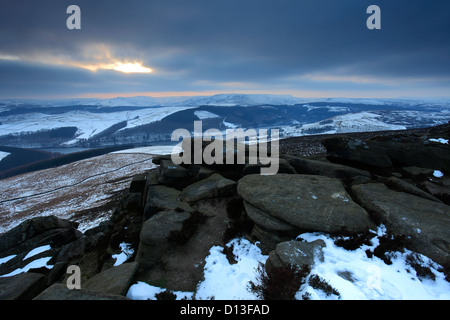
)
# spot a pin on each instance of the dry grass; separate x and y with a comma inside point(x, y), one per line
point(84, 191)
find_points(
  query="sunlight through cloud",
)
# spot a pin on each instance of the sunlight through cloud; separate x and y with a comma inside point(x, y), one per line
point(131, 68)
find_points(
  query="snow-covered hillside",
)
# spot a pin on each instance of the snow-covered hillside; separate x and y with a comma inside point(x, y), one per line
point(142, 120)
point(351, 122)
point(89, 124)
point(79, 191)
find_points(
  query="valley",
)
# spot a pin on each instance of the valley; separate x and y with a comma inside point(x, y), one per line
point(146, 121)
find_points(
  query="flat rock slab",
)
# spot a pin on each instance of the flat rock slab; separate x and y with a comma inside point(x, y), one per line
point(426, 223)
point(305, 202)
point(211, 187)
point(163, 198)
point(331, 170)
point(401, 185)
point(23, 286)
point(115, 280)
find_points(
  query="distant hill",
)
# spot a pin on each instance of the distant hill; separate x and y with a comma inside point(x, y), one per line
point(95, 123)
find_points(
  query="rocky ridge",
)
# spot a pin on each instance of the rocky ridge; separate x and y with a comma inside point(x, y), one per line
point(174, 214)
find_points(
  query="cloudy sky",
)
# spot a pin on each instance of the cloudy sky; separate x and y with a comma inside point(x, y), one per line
point(309, 48)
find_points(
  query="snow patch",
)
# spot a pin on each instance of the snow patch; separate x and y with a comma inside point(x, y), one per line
point(126, 253)
point(35, 264)
point(225, 281)
point(357, 277)
point(229, 124)
point(144, 291)
point(152, 150)
point(352, 274)
point(6, 259)
point(37, 251)
point(3, 155)
point(439, 140)
point(202, 115)
point(438, 174)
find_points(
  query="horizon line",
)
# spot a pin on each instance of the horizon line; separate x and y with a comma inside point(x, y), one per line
point(210, 93)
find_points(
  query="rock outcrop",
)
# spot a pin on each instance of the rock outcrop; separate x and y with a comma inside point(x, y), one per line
point(295, 253)
point(425, 223)
point(296, 203)
point(174, 214)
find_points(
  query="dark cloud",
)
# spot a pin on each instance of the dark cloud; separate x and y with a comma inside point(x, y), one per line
point(265, 42)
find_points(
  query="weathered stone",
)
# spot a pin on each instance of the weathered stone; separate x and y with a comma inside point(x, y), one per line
point(426, 223)
point(355, 152)
point(61, 292)
point(182, 265)
point(163, 198)
point(211, 187)
point(417, 172)
point(35, 233)
point(439, 191)
point(331, 170)
point(295, 253)
point(115, 280)
point(306, 202)
point(173, 175)
point(154, 234)
point(283, 167)
point(157, 159)
point(132, 202)
point(360, 180)
point(200, 172)
point(401, 185)
point(95, 244)
point(267, 220)
point(23, 286)
point(138, 183)
point(268, 239)
point(436, 156)
point(31, 228)
point(151, 180)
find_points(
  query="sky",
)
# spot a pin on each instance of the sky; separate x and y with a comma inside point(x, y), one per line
point(306, 48)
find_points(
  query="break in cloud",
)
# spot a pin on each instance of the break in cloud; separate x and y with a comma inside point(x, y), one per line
point(309, 48)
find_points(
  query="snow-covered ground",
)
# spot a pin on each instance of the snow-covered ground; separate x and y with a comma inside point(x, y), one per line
point(351, 273)
point(88, 124)
point(439, 140)
point(151, 150)
point(351, 122)
point(203, 114)
point(71, 191)
point(356, 277)
point(3, 155)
